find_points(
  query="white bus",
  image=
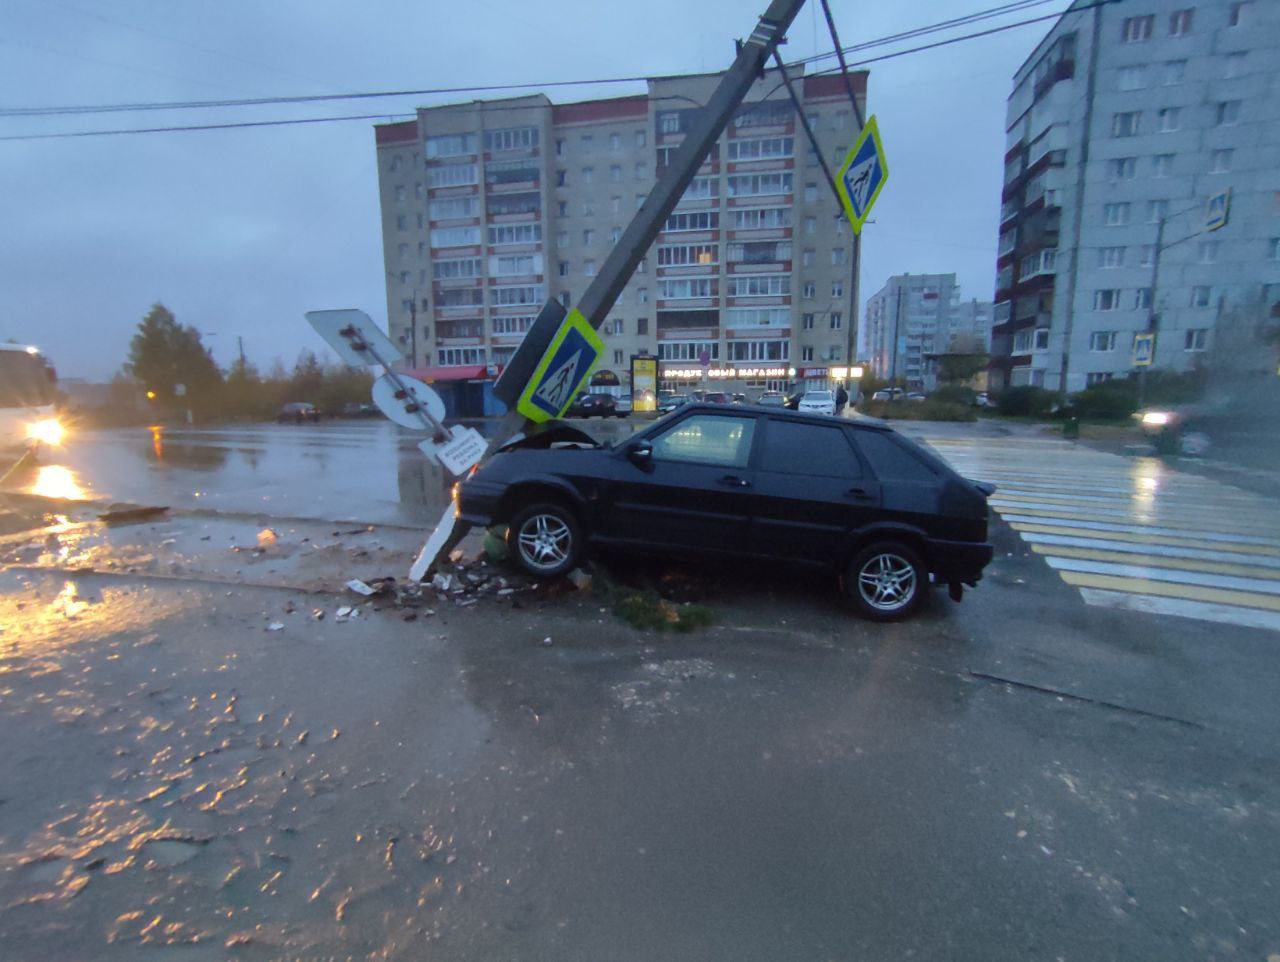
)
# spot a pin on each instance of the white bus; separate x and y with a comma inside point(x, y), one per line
point(28, 389)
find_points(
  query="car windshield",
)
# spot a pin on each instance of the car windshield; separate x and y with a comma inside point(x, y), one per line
point(24, 380)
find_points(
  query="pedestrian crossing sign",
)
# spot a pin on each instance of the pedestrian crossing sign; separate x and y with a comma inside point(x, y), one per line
point(564, 368)
point(862, 175)
point(1144, 349)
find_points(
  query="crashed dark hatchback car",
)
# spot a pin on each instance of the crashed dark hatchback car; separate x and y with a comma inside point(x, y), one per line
point(852, 497)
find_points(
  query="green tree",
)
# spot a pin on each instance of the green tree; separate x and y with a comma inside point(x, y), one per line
point(960, 368)
point(164, 354)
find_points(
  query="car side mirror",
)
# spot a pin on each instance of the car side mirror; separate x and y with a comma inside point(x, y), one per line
point(640, 453)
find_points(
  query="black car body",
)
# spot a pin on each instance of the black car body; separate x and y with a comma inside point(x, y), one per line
point(740, 482)
point(593, 406)
point(298, 412)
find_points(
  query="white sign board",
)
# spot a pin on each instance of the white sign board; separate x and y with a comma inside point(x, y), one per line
point(461, 451)
point(352, 333)
point(416, 394)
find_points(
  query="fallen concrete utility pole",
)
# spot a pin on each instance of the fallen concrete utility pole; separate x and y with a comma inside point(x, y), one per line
point(626, 255)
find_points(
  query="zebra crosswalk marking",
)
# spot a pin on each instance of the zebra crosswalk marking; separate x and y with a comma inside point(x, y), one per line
point(1133, 533)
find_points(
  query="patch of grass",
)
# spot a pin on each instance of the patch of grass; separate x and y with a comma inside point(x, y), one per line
point(648, 610)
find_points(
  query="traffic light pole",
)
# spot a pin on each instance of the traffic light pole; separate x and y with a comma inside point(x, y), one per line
point(600, 296)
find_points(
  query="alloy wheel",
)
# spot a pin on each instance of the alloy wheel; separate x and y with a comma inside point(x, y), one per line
point(887, 582)
point(545, 541)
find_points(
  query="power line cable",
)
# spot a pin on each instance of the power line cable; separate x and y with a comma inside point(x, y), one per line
point(1011, 7)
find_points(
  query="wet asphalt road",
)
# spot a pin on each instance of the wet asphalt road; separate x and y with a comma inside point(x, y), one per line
point(1022, 776)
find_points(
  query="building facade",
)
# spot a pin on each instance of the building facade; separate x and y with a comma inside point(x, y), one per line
point(490, 208)
point(915, 316)
point(1123, 123)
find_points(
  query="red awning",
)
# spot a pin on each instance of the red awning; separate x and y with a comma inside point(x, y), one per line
point(468, 372)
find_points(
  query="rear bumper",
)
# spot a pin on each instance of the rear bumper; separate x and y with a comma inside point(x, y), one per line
point(961, 561)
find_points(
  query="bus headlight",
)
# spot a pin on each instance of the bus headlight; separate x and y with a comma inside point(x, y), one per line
point(47, 431)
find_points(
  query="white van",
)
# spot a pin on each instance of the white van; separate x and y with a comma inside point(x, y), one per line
point(28, 388)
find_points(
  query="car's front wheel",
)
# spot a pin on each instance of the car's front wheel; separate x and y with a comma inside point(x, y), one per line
point(545, 539)
point(886, 581)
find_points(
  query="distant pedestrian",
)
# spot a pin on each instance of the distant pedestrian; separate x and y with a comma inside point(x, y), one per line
point(842, 398)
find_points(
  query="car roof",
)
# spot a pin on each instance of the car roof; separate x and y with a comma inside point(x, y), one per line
point(859, 421)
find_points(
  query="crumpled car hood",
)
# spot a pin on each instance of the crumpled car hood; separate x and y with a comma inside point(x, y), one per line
point(552, 434)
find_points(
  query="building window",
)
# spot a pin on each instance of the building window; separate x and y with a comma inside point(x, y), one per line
point(742, 350)
point(1122, 168)
point(450, 145)
point(1125, 124)
point(1097, 377)
point(1102, 341)
point(1273, 248)
point(588, 268)
point(1180, 23)
point(692, 220)
point(1238, 13)
point(531, 294)
point(511, 138)
point(1137, 29)
point(1201, 295)
point(810, 193)
point(761, 218)
point(587, 174)
point(1175, 72)
point(456, 267)
point(1042, 339)
point(809, 291)
point(1195, 339)
point(1169, 119)
point(1220, 161)
point(640, 201)
point(837, 256)
point(1115, 215)
point(806, 258)
point(1156, 210)
point(1228, 113)
point(1110, 257)
point(1207, 252)
point(739, 318)
point(685, 288)
point(759, 185)
point(641, 138)
point(806, 354)
point(837, 320)
point(1132, 78)
point(460, 356)
point(454, 208)
point(1234, 66)
point(642, 326)
point(562, 178)
point(758, 285)
point(455, 236)
point(642, 295)
point(642, 170)
point(1148, 255)
point(761, 148)
point(615, 235)
point(1022, 342)
point(806, 321)
point(837, 288)
point(810, 225)
point(513, 325)
point(615, 173)
point(1142, 299)
point(1106, 300)
point(1162, 165)
point(588, 236)
point(617, 327)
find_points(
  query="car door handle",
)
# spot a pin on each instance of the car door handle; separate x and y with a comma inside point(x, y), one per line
point(861, 494)
point(733, 481)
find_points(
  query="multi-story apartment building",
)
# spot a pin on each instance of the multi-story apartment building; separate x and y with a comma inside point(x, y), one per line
point(917, 315)
point(491, 207)
point(1126, 116)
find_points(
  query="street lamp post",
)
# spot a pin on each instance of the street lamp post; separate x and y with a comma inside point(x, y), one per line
point(1153, 313)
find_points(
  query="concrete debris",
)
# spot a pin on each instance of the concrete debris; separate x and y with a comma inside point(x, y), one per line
point(359, 587)
point(546, 642)
point(580, 579)
point(441, 582)
point(276, 626)
point(345, 613)
point(317, 614)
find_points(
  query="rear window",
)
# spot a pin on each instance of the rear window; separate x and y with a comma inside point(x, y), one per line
point(24, 380)
point(892, 461)
point(811, 449)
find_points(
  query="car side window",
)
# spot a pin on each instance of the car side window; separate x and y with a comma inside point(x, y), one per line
point(707, 439)
point(813, 449)
point(892, 461)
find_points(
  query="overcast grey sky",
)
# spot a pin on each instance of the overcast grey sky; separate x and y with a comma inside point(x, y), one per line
point(241, 231)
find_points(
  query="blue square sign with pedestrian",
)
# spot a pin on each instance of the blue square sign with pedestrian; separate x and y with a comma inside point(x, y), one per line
point(564, 367)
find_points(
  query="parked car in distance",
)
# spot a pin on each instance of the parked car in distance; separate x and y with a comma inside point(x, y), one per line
point(917, 396)
point(818, 402)
point(983, 400)
point(593, 405)
point(297, 412)
point(716, 397)
point(669, 402)
point(851, 497)
point(623, 404)
point(738, 398)
point(357, 410)
point(792, 401)
point(772, 399)
point(888, 394)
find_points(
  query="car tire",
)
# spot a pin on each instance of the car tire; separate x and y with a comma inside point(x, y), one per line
point(545, 539)
point(1193, 444)
point(886, 581)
